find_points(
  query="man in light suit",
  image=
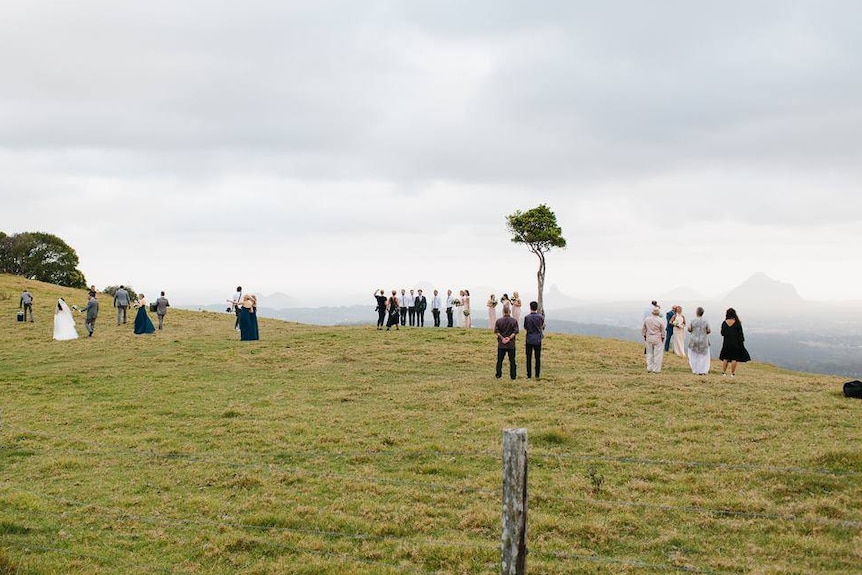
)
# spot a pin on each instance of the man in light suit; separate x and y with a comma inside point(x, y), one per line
point(162, 306)
point(121, 302)
point(92, 311)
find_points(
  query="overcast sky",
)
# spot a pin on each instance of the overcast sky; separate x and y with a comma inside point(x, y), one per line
point(325, 149)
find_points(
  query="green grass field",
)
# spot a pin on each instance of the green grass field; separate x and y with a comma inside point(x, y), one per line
point(351, 450)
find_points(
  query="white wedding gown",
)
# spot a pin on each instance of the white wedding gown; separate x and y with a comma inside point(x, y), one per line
point(64, 323)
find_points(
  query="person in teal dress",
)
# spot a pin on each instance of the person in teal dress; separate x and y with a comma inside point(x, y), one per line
point(248, 330)
point(143, 324)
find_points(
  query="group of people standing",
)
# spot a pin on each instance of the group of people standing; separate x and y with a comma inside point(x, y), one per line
point(244, 306)
point(514, 303)
point(409, 307)
point(668, 334)
point(64, 321)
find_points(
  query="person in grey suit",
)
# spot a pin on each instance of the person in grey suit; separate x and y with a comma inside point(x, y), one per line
point(92, 311)
point(162, 306)
point(121, 302)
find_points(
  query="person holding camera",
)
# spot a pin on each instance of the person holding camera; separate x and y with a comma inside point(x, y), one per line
point(380, 296)
point(235, 302)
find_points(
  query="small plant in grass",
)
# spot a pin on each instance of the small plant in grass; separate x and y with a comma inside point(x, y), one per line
point(596, 481)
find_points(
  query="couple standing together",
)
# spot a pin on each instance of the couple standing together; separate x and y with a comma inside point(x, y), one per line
point(506, 328)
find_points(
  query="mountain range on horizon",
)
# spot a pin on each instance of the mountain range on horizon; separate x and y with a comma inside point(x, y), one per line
point(757, 292)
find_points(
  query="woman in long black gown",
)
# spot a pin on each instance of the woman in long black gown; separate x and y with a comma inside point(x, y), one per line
point(733, 347)
point(394, 311)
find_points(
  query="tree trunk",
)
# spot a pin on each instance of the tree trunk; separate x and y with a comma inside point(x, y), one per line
point(540, 276)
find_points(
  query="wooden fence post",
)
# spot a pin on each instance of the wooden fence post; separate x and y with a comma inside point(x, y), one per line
point(514, 546)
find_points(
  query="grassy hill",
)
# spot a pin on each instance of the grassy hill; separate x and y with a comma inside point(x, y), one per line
point(351, 450)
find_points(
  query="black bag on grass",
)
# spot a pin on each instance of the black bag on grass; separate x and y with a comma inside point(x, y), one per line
point(853, 389)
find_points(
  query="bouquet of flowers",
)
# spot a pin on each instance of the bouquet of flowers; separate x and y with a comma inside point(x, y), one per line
point(456, 302)
point(492, 302)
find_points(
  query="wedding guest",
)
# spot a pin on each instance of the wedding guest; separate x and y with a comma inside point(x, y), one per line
point(492, 311)
point(121, 302)
point(420, 304)
point(142, 320)
point(92, 311)
point(248, 330)
point(733, 347)
point(506, 328)
point(534, 325)
point(436, 304)
point(402, 309)
point(411, 308)
point(698, 344)
point(679, 325)
point(450, 305)
point(648, 310)
point(26, 303)
point(653, 331)
point(394, 311)
point(465, 302)
point(162, 306)
point(380, 296)
point(516, 306)
point(64, 323)
point(235, 302)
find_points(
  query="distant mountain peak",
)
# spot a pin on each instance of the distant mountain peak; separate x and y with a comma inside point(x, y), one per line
point(760, 290)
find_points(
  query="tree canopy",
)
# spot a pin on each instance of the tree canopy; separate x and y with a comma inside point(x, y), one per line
point(40, 256)
point(538, 230)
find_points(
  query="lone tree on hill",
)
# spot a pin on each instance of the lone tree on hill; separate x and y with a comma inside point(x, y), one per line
point(538, 229)
point(40, 256)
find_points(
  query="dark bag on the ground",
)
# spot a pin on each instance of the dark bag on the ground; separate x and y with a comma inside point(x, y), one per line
point(20, 316)
point(853, 389)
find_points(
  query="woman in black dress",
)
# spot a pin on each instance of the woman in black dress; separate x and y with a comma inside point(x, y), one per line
point(393, 312)
point(733, 348)
point(380, 296)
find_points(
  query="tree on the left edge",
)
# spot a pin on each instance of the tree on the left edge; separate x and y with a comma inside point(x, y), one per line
point(40, 256)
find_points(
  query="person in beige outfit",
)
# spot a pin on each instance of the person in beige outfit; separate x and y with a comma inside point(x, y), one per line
point(653, 331)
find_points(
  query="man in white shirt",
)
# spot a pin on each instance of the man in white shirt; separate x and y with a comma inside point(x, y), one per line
point(411, 307)
point(402, 306)
point(435, 308)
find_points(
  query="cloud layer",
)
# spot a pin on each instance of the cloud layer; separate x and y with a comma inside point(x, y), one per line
point(326, 148)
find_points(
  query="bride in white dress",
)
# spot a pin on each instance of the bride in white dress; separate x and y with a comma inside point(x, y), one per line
point(64, 323)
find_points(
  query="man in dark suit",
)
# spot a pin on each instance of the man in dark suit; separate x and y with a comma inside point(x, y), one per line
point(421, 304)
point(669, 334)
point(449, 306)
